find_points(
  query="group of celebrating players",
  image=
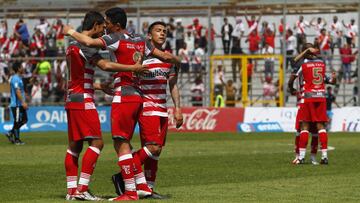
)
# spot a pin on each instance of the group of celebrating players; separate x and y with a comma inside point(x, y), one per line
point(312, 115)
point(142, 73)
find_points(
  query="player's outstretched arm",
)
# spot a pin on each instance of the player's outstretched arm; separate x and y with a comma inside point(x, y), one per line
point(107, 87)
point(166, 57)
point(82, 38)
point(175, 95)
point(109, 66)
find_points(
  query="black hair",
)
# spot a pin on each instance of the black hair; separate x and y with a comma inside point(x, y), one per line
point(323, 29)
point(155, 23)
point(118, 16)
point(307, 45)
point(91, 19)
point(16, 66)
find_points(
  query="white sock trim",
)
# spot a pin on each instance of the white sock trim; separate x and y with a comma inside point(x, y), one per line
point(147, 151)
point(125, 157)
point(96, 150)
point(151, 184)
point(72, 153)
point(304, 131)
point(322, 131)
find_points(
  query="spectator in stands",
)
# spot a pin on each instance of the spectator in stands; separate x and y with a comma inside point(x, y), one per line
point(59, 86)
point(60, 44)
point(238, 32)
point(226, 31)
point(27, 75)
point(252, 22)
point(199, 54)
point(4, 72)
point(269, 36)
point(39, 40)
point(43, 70)
point(145, 28)
point(43, 26)
point(190, 42)
point(131, 29)
point(21, 30)
point(13, 46)
point(269, 61)
point(347, 57)
point(300, 27)
point(290, 46)
point(351, 31)
point(212, 38)
point(250, 67)
point(253, 40)
point(336, 34)
point(281, 32)
point(3, 31)
point(236, 63)
point(36, 93)
point(324, 41)
point(269, 90)
point(170, 34)
point(197, 90)
point(230, 90)
point(318, 25)
point(179, 35)
point(185, 61)
point(50, 43)
point(218, 81)
point(196, 29)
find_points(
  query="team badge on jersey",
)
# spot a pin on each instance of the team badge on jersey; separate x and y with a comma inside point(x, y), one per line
point(137, 55)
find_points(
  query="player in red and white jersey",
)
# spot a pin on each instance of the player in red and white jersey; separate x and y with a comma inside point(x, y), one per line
point(127, 103)
point(313, 102)
point(154, 116)
point(83, 119)
point(312, 129)
point(3, 32)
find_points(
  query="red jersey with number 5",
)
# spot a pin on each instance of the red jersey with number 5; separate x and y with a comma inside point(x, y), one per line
point(312, 74)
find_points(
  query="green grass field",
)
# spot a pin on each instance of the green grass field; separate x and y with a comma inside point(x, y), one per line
point(193, 168)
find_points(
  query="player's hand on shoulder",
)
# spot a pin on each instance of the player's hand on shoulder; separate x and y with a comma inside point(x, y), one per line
point(66, 29)
point(139, 68)
point(178, 118)
point(313, 50)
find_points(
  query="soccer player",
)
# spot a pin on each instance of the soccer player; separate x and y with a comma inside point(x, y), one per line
point(18, 104)
point(127, 101)
point(153, 120)
point(83, 119)
point(313, 103)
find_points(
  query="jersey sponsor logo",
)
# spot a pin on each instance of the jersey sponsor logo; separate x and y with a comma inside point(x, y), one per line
point(156, 73)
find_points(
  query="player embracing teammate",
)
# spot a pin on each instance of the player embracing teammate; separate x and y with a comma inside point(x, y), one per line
point(127, 102)
point(312, 107)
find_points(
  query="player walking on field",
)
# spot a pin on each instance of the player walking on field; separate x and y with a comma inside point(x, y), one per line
point(154, 117)
point(83, 119)
point(127, 102)
point(313, 101)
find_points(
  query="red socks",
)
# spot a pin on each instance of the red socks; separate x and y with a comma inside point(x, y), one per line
point(126, 164)
point(88, 165)
point(71, 167)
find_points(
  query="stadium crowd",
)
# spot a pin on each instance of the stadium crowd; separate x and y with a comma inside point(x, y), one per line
point(249, 35)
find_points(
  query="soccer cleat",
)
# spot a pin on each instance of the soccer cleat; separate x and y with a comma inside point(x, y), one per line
point(299, 161)
point(313, 161)
point(143, 190)
point(156, 195)
point(69, 197)
point(10, 137)
point(324, 161)
point(87, 196)
point(19, 142)
point(125, 197)
point(119, 183)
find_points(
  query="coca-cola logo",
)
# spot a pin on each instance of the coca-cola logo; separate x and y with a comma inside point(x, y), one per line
point(199, 119)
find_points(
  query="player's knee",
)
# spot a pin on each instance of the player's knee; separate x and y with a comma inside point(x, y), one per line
point(98, 143)
point(154, 149)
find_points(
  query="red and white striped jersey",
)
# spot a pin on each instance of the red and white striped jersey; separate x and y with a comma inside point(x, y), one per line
point(80, 90)
point(126, 49)
point(351, 30)
point(324, 42)
point(312, 76)
point(335, 29)
point(300, 26)
point(153, 86)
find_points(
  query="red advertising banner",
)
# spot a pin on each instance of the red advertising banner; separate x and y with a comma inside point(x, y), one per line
point(203, 119)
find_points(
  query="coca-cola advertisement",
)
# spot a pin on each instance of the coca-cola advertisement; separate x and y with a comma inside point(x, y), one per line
point(207, 119)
